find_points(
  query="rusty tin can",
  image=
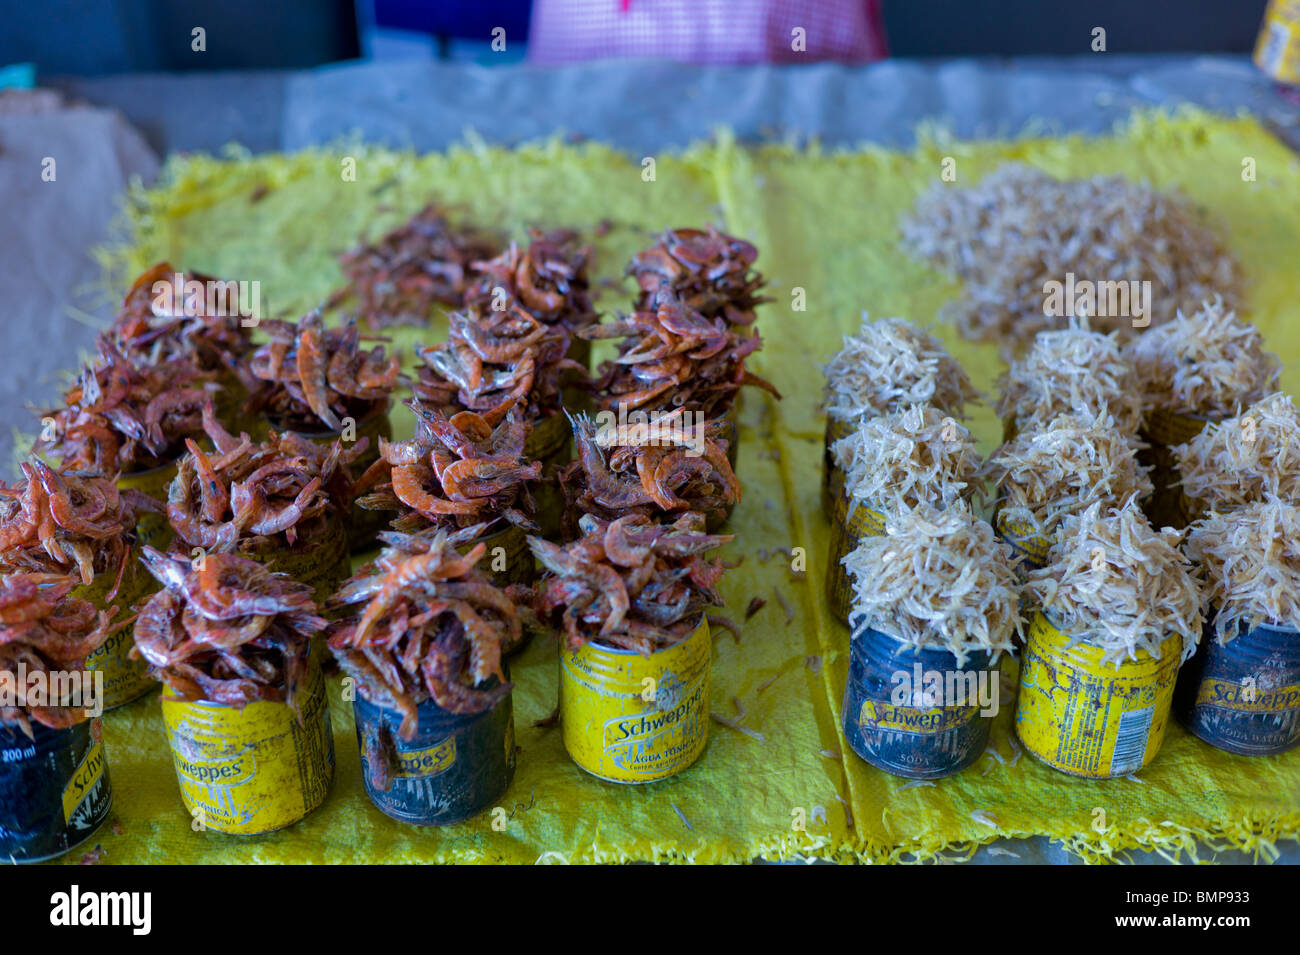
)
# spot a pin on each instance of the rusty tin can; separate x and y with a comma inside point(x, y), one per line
point(320, 561)
point(54, 789)
point(908, 711)
point(633, 719)
point(453, 769)
point(1162, 431)
point(1086, 717)
point(255, 770)
point(549, 442)
point(846, 533)
point(125, 678)
point(1243, 696)
point(833, 496)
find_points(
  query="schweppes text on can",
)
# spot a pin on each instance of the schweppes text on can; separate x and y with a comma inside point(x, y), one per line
point(455, 767)
point(1087, 717)
point(1243, 696)
point(634, 719)
point(54, 789)
point(253, 770)
point(847, 531)
point(894, 718)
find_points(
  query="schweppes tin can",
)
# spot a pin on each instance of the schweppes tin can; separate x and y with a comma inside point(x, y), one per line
point(361, 525)
point(833, 497)
point(1163, 430)
point(54, 790)
point(1090, 718)
point(846, 533)
point(254, 770)
point(319, 560)
point(916, 713)
point(1277, 52)
point(453, 769)
point(125, 679)
point(152, 529)
point(633, 719)
point(1243, 696)
point(549, 442)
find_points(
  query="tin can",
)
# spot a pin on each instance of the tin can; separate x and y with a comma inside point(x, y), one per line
point(54, 789)
point(362, 525)
point(833, 496)
point(1086, 717)
point(152, 529)
point(549, 442)
point(898, 719)
point(846, 533)
point(1244, 696)
point(633, 719)
point(320, 560)
point(255, 770)
point(1023, 538)
point(125, 678)
point(1163, 430)
point(1277, 52)
point(455, 767)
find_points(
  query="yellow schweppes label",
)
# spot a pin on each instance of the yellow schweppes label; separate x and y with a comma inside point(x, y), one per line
point(225, 772)
point(83, 781)
point(1247, 699)
point(423, 763)
point(634, 719)
point(876, 715)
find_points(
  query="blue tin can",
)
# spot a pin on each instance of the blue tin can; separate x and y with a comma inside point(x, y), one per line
point(54, 790)
point(1244, 696)
point(916, 713)
point(454, 768)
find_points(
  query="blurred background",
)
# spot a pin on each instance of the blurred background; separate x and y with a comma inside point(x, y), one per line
point(95, 37)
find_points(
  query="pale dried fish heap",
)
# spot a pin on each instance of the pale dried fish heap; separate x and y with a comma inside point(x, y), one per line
point(1115, 583)
point(1065, 468)
point(1070, 371)
point(938, 579)
point(1250, 560)
point(1020, 228)
point(1246, 458)
point(918, 455)
point(890, 364)
point(1206, 364)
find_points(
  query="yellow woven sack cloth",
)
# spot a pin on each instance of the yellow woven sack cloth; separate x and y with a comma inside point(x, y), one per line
point(826, 222)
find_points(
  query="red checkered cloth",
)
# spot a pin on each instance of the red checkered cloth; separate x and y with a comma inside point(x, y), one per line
point(707, 31)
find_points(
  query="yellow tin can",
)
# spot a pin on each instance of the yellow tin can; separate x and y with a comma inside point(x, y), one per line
point(1277, 52)
point(846, 533)
point(152, 529)
point(1088, 718)
point(125, 678)
point(633, 719)
point(255, 770)
point(833, 497)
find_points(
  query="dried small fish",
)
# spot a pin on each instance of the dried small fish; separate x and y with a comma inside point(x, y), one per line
point(711, 272)
point(755, 605)
point(1246, 458)
point(984, 818)
point(735, 725)
point(682, 816)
